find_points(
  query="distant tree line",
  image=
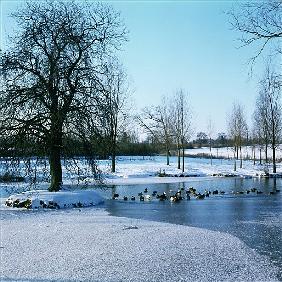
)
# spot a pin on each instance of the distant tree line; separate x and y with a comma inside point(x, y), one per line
point(203, 140)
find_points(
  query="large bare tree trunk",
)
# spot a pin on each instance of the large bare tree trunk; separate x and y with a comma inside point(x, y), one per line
point(266, 157)
point(114, 147)
point(274, 159)
point(241, 158)
point(178, 157)
point(254, 156)
point(183, 160)
point(273, 144)
point(235, 166)
point(114, 156)
point(55, 148)
point(167, 156)
point(113, 162)
point(55, 169)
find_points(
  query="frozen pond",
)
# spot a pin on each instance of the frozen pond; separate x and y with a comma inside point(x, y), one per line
point(254, 218)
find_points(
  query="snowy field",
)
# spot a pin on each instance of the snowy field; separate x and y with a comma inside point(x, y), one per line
point(87, 244)
point(132, 170)
point(90, 245)
point(138, 169)
point(228, 152)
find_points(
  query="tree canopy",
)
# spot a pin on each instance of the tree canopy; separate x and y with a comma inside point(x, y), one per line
point(53, 71)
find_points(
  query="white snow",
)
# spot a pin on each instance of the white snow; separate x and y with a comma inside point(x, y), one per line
point(145, 170)
point(89, 245)
point(132, 170)
point(61, 199)
point(228, 152)
point(137, 169)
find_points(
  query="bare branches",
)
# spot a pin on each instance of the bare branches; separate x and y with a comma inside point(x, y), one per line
point(169, 123)
point(54, 71)
point(113, 106)
point(267, 114)
point(259, 21)
point(238, 130)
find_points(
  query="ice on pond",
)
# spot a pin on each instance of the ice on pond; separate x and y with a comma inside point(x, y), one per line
point(92, 246)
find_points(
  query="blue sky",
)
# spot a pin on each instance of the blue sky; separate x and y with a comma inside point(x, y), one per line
point(183, 44)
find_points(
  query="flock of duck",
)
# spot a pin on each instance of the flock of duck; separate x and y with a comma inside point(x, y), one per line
point(184, 194)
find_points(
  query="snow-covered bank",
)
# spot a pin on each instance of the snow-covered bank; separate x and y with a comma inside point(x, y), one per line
point(248, 152)
point(63, 199)
point(89, 245)
point(150, 167)
point(137, 170)
point(145, 170)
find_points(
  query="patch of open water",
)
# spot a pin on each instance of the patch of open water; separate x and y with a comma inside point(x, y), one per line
point(254, 218)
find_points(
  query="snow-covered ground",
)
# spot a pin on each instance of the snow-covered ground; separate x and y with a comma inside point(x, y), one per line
point(90, 245)
point(141, 170)
point(129, 170)
point(138, 169)
point(63, 199)
point(228, 152)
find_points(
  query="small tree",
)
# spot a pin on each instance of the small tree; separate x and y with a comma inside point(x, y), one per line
point(261, 125)
point(182, 124)
point(221, 139)
point(269, 109)
point(113, 107)
point(157, 122)
point(210, 129)
point(237, 131)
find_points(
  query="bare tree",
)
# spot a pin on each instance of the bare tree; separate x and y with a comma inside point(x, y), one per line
point(113, 104)
point(261, 125)
point(52, 71)
point(182, 123)
point(237, 131)
point(158, 123)
point(210, 130)
point(257, 137)
point(269, 109)
point(259, 22)
point(253, 144)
